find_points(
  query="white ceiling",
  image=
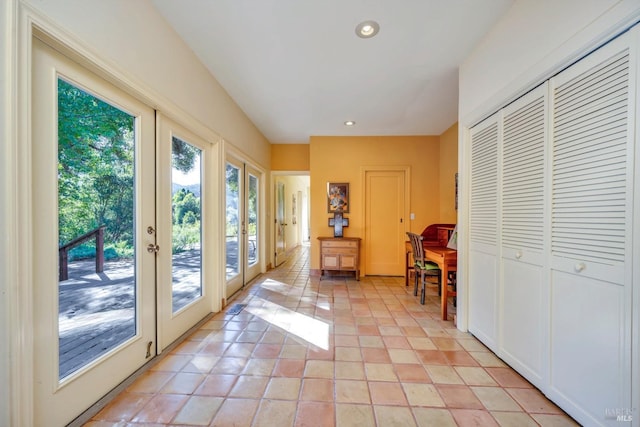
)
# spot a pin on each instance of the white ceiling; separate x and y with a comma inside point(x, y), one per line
point(297, 69)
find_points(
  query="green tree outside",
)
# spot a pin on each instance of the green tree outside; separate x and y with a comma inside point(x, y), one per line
point(96, 172)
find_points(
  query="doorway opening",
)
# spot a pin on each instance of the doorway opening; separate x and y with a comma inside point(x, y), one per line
point(291, 213)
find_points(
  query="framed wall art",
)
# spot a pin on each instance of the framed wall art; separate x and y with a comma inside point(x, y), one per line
point(337, 197)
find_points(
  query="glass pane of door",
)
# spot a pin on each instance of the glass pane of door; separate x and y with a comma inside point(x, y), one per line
point(186, 248)
point(233, 219)
point(252, 228)
point(96, 291)
point(252, 221)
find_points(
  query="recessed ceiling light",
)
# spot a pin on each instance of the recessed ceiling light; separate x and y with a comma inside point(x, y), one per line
point(367, 29)
point(349, 123)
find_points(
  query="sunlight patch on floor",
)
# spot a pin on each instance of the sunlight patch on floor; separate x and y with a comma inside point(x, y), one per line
point(309, 329)
point(318, 300)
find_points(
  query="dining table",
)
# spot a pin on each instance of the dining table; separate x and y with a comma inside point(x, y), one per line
point(447, 261)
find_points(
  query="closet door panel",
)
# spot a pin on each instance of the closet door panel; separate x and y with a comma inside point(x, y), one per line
point(483, 291)
point(587, 352)
point(523, 322)
point(590, 170)
point(523, 176)
point(591, 211)
point(483, 233)
point(525, 303)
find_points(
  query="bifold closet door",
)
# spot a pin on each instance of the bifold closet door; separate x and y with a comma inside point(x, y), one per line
point(524, 308)
point(591, 233)
point(483, 233)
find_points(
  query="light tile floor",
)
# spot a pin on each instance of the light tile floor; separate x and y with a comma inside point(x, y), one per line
point(306, 352)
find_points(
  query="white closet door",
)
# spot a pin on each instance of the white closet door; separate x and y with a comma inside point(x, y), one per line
point(591, 234)
point(483, 232)
point(524, 291)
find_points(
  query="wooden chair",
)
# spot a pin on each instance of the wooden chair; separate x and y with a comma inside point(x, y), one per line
point(430, 237)
point(420, 264)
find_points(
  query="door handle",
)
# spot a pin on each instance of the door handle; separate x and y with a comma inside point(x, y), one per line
point(151, 248)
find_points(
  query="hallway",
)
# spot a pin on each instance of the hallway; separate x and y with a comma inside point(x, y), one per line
point(306, 352)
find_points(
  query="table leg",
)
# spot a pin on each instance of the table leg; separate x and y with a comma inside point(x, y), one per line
point(445, 289)
point(406, 265)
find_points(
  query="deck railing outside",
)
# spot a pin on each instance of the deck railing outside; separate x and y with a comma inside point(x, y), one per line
point(63, 252)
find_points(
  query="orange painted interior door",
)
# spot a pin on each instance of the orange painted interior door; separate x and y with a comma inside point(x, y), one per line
point(384, 222)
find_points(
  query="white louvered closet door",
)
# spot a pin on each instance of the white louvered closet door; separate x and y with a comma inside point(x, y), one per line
point(483, 232)
point(524, 318)
point(591, 211)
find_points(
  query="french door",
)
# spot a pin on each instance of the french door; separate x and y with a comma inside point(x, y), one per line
point(243, 228)
point(94, 241)
point(186, 262)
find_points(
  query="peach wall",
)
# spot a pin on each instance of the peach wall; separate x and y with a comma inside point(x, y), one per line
point(448, 169)
point(340, 159)
point(290, 157)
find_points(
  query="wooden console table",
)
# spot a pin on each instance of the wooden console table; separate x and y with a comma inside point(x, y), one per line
point(340, 254)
